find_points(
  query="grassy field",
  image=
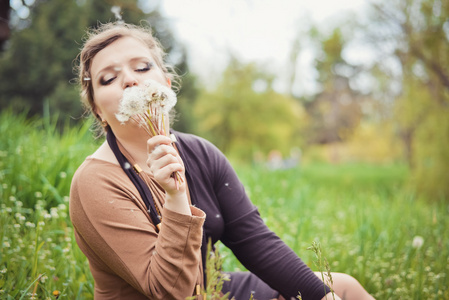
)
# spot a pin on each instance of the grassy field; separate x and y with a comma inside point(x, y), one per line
point(363, 217)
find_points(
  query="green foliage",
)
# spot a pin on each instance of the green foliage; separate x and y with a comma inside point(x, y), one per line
point(36, 159)
point(430, 144)
point(365, 221)
point(242, 121)
point(363, 218)
point(335, 111)
point(37, 67)
point(417, 38)
point(214, 276)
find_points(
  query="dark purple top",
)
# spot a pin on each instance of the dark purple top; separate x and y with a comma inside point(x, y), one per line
point(232, 219)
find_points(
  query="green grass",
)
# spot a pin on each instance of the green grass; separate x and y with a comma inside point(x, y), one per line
point(362, 216)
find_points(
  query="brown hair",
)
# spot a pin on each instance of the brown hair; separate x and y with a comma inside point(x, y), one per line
point(101, 37)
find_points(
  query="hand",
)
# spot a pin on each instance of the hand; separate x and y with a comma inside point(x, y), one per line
point(163, 161)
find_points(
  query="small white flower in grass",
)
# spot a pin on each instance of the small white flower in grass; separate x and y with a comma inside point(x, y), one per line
point(418, 241)
point(30, 225)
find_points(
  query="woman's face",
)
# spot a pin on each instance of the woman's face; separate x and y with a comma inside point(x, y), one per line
point(124, 63)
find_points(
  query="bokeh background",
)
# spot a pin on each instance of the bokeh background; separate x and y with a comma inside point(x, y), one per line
point(334, 111)
point(367, 81)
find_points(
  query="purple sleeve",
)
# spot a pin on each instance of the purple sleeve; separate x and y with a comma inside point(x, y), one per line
point(258, 248)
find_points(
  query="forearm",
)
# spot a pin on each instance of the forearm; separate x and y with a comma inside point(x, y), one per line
point(330, 296)
point(178, 203)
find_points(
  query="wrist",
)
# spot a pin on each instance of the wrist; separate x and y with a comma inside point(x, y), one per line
point(177, 201)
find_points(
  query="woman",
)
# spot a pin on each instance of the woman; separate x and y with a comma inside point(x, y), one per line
point(130, 257)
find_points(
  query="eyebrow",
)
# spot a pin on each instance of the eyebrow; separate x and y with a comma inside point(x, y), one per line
point(113, 66)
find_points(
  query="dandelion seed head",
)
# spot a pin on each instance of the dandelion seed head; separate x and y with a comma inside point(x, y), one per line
point(418, 241)
point(116, 11)
point(132, 103)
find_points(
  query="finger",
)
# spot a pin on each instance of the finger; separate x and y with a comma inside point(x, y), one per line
point(162, 161)
point(161, 151)
point(164, 176)
point(154, 141)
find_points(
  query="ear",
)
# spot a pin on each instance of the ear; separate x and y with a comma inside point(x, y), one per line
point(98, 113)
point(169, 82)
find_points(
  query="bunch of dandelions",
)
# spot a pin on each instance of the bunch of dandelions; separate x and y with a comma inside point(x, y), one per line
point(148, 106)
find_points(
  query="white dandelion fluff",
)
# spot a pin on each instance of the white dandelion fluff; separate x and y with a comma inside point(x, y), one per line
point(148, 105)
point(418, 241)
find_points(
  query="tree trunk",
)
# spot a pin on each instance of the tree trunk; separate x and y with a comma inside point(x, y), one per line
point(4, 22)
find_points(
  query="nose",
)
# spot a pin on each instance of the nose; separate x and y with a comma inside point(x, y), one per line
point(129, 79)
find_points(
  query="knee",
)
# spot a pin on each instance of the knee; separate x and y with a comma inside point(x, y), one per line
point(347, 287)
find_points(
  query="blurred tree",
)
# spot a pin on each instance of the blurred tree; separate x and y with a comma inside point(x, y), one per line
point(243, 115)
point(334, 112)
point(36, 67)
point(416, 34)
point(4, 22)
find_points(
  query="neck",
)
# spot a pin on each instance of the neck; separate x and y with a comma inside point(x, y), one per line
point(134, 145)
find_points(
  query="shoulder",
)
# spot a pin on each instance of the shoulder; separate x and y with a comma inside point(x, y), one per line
point(194, 147)
point(97, 178)
point(93, 169)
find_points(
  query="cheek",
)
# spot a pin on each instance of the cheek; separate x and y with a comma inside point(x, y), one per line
point(107, 101)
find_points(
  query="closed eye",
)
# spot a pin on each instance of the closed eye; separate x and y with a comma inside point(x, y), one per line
point(104, 81)
point(146, 67)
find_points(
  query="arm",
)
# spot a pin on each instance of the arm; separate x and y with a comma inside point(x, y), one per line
point(258, 248)
point(109, 216)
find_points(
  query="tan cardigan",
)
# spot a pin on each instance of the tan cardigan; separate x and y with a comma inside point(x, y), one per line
point(127, 257)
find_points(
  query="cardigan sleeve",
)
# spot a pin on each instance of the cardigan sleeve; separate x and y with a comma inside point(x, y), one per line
point(259, 249)
point(115, 232)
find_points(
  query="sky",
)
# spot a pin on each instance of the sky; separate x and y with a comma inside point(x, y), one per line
point(260, 31)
